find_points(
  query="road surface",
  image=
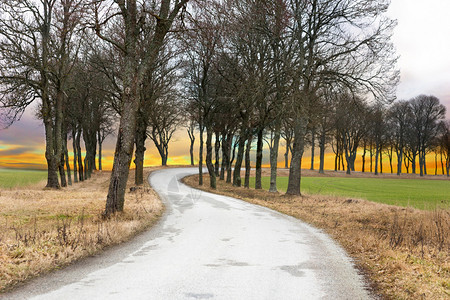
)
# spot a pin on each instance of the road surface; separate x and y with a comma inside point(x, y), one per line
point(209, 247)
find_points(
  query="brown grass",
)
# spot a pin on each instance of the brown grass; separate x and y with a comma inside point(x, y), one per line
point(404, 252)
point(41, 230)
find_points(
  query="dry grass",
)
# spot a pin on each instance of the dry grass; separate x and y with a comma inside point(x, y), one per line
point(403, 251)
point(41, 230)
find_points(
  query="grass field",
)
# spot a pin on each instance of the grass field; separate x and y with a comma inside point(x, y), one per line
point(422, 194)
point(10, 178)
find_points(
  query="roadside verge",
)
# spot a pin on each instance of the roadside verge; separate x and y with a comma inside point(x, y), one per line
point(42, 230)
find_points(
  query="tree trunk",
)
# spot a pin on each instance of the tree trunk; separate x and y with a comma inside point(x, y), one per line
point(435, 162)
point(209, 154)
point(230, 162)
point(62, 173)
point(364, 157)
point(371, 157)
point(381, 159)
point(79, 158)
point(69, 174)
point(322, 152)
point(406, 162)
point(64, 160)
point(200, 155)
point(217, 153)
point(259, 156)
point(313, 146)
point(390, 160)
point(296, 160)
point(399, 161)
point(52, 160)
point(274, 159)
point(237, 166)
point(127, 126)
point(141, 135)
point(75, 155)
point(227, 139)
point(100, 142)
point(191, 149)
point(347, 159)
point(248, 166)
point(424, 158)
point(286, 154)
point(377, 152)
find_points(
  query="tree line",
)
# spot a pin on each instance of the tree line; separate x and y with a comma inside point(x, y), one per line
point(238, 72)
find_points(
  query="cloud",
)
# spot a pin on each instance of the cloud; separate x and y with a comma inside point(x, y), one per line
point(17, 151)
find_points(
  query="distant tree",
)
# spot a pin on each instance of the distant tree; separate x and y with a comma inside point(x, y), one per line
point(165, 118)
point(444, 143)
point(426, 114)
point(399, 115)
point(350, 125)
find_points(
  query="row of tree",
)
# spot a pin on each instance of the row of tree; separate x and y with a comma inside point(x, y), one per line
point(89, 64)
point(405, 130)
point(263, 70)
point(239, 72)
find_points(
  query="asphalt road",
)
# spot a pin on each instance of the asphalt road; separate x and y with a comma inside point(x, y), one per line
point(209, 247)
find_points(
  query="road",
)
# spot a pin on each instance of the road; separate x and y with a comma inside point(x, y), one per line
point(209, 247)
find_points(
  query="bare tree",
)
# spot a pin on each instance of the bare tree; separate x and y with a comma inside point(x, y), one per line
point(399, 113)
point(37, 50)
point(426, 113)
point(337, 44)
point(135, 68)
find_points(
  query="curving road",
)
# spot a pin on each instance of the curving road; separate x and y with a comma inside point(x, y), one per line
point(210, 247)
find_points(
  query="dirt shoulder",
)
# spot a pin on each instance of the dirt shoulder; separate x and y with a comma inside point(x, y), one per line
point(404, 253)
point(42, 230)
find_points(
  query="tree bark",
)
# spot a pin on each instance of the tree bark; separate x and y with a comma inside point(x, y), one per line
point(377, 152)
point(237, 166)
point(69, 174)
point(141, 135)
point(79, 158)
point(296, 160)
point(259, 156)
point(75, 154)
point(52, 159)
point(286, 154)
point(200, 154)
point(217, 153)
point(399, 160)
point(62, 173)
point(230, 162)
point(191, 147)
point(127, 126)
point(364, 157)
point(100, 142)
point(313, 146)
point(274, 159)
point(209, 154)
point(248, 166)
point(322, 152)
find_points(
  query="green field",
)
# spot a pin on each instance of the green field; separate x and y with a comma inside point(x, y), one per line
point(422, 194)
point(10, 178)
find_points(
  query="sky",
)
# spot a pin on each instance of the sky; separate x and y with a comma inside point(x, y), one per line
point(421, 38)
